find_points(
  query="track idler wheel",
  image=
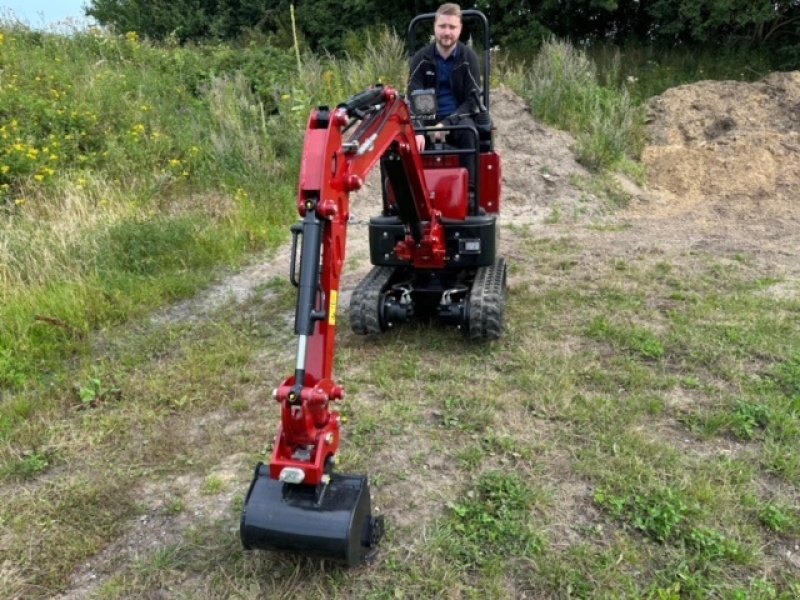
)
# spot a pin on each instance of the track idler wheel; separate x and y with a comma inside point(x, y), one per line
point(329, 521)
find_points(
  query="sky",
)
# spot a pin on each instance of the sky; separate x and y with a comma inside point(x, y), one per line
point(40, 14)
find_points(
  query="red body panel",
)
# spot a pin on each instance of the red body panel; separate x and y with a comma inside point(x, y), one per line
point(449, 187)
point(491, 176)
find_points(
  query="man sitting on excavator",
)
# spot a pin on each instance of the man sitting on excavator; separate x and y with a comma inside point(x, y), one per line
point(451, 69)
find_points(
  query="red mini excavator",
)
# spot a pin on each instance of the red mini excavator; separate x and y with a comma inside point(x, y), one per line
point(434, 251)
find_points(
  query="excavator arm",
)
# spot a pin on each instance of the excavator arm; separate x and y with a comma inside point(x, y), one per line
point(289, 505)
point(332, 168)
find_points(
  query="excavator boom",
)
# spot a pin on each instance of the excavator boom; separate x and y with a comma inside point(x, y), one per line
point(298, 502)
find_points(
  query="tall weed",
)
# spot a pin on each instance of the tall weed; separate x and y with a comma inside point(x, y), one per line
point(240, 141)
point(562, 87)
point(331, 80)
point(648, 71)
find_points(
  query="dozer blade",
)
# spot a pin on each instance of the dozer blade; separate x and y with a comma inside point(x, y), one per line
point(333, 521)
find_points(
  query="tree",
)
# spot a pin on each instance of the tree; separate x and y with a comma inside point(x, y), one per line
point(187, 19)
point(717, 22)
point(327, 24)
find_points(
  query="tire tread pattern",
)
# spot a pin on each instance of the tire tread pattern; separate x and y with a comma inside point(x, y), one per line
point(487, 301)
point(365, 303)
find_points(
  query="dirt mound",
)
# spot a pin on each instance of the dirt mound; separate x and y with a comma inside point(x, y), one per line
point(539, 167)
point(727, 147)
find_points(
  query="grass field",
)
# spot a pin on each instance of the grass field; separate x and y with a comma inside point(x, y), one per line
point(633, 435)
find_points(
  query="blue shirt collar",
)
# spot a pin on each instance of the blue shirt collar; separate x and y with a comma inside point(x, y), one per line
point(453, 54)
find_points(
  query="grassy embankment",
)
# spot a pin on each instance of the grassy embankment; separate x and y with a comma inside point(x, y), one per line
point(633, 435)
point(130, 172)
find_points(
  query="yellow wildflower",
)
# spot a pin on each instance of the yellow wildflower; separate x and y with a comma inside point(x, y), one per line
point(174, 162)
point(4, 169)
point(39, 177)
point(132, 37)
point(2, 38)
point(20, 201)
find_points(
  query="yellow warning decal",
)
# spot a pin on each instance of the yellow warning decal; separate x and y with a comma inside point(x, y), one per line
point(332, 309)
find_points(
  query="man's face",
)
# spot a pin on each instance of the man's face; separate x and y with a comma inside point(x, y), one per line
point(446, 29)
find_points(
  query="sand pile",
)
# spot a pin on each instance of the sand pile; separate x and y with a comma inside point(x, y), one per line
point(728, 147)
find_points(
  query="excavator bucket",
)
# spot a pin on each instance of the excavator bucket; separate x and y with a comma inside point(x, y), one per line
point(329, 521)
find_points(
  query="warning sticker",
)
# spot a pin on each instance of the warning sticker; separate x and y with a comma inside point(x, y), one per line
point(332, 308)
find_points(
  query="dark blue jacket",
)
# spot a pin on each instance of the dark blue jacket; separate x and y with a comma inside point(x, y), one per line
point(464, 80)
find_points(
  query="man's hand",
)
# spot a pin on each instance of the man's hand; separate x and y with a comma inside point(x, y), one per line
point(420, 142)
point(438, 136)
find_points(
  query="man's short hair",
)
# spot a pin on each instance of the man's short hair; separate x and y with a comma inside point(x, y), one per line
point(451, 9)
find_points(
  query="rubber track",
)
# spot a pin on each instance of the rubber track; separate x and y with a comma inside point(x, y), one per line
point(365, 302)
point(487, 301)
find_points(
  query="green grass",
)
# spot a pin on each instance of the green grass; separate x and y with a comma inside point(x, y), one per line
point(492, 521)
point(553, 462)
point(131, 173)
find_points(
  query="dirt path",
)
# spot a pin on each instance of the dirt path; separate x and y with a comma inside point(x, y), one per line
point(703, 199)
